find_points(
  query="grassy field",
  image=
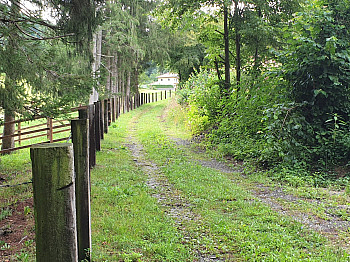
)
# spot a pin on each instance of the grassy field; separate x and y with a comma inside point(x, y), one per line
point(153, 200)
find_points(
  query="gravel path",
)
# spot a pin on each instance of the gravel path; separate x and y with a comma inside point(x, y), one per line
point(174, 204)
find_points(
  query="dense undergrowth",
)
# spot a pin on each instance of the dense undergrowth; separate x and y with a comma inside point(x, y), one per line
point(292, 114)
point(264, 126)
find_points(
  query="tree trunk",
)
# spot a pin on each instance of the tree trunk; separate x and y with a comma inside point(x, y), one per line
point(115, 73)
point(227, 50)
point(128, 87)
point(216, 62)
point(9, 129)
point(97, 47)
point(238, 46)
point(109, 75)
point(10, 83)
point(238, 59)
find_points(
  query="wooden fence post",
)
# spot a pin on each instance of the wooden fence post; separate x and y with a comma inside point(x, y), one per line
point(109, 109)
point(19, 132)
point(105, 116)
point(50, 130)
point(92, 137)
point(123, 103)
point(89, 113)
point(164, 94)
point(117, 108)
point(102, 118)
point(161, 95)
point(149, 97)
point(80, 137)
point(114, 109)
point(97, 125)
point(54, 202)
point(170, 93)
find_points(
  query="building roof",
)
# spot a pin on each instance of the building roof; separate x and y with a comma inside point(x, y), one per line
point(168, 75)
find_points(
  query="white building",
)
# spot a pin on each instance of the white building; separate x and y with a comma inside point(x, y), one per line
point(167, 79)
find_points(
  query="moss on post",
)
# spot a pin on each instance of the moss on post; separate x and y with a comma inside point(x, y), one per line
point(54, 201)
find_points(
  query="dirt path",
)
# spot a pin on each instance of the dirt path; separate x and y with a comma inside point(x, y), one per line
point(174, 204)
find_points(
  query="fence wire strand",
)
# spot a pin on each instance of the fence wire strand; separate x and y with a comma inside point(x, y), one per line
point(20, 184)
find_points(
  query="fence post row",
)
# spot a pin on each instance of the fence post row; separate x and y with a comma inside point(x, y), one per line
point(54, 201)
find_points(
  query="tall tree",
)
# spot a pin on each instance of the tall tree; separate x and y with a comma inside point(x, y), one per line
point(131, 39)
point(35, 79)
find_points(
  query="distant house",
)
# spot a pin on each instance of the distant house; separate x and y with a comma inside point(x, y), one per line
point(167, 80)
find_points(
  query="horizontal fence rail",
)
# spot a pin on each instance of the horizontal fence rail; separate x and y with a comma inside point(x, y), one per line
point(111, 109)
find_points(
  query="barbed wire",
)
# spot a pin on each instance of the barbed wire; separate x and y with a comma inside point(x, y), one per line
point(20, 184)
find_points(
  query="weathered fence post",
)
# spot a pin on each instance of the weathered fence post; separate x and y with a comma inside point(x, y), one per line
point(89, 113)
point(105, 116)
point(50, 130)
point(80, 138)
point(117, 108)
point(149, 97)
point(156, 96)
point(109, 109)
point(19, 133)
point(97, 125)
point(54, 202)
point(102, 118)
point(114, 109)
point(161, 95)
point(170, 93)
point(164, 94)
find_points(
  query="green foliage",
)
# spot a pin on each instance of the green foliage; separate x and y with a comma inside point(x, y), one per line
point(41, 72)
point(316, 67)
point(295, 112)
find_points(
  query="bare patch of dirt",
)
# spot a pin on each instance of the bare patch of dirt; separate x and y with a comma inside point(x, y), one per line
point(17, 230)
